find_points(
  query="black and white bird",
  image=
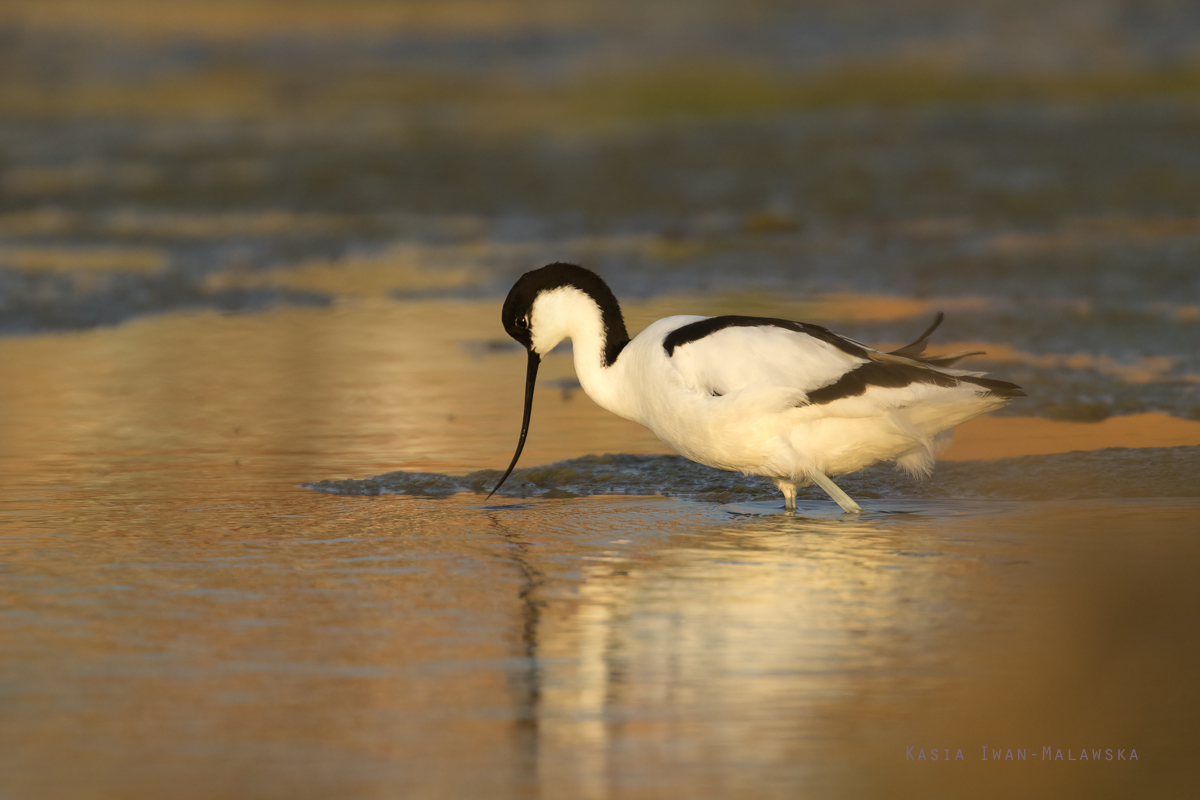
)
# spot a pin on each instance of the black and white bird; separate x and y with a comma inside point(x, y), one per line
point(791, 401)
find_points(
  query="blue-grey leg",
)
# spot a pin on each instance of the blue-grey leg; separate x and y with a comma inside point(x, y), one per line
point(834, 491)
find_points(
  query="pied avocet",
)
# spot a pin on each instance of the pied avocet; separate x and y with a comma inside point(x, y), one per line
point(791, 401)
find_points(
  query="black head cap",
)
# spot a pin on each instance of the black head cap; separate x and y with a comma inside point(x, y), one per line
point(519, 304)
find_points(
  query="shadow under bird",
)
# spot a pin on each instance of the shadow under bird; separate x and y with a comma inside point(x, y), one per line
point(791, 401)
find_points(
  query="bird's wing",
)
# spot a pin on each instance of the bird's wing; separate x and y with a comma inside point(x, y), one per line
point(723, 355)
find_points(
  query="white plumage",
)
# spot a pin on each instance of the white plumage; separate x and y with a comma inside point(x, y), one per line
point(790, 401)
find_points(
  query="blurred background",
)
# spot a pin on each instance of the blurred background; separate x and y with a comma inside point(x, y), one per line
point(1036, 161)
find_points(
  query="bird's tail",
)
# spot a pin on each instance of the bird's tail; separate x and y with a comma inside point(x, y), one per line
point(916, 350)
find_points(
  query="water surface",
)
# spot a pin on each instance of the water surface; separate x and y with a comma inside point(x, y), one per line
point(181, 617)
point(251, 247)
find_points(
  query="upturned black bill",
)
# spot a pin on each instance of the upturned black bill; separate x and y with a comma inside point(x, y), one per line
point(530, 380)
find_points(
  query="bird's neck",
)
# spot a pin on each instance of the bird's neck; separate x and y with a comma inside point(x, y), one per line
point(597, 337)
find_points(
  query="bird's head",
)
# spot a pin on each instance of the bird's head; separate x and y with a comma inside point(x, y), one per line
point(542, 309)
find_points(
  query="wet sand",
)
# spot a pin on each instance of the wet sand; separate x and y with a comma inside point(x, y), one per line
point(1007, 437)
point(181, 618)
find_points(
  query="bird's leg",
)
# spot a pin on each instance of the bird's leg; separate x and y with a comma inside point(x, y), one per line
point(789, 494)
point(834, 491)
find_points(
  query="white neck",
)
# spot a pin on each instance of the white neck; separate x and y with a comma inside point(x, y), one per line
point(568, 313)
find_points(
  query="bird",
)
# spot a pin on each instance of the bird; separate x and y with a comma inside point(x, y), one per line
point(790, 401)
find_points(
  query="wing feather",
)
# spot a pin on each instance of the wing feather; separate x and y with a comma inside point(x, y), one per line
point(723, 355)
point(729, 358)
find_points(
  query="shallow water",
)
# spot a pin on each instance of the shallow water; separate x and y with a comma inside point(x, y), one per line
point(248, 247)
point(296, 644)
point(1040, 188)
point(181, 617)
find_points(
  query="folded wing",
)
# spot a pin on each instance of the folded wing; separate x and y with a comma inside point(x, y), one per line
point(723, 355)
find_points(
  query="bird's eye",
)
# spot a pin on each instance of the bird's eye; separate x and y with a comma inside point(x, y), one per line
point(523, 323)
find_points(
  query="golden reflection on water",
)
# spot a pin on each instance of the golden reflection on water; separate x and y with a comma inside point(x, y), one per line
point(180, 619)
point(363, 388)
point(312, 645)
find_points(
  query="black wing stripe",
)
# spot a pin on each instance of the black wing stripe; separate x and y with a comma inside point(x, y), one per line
point(895, 376)
point(707, 327)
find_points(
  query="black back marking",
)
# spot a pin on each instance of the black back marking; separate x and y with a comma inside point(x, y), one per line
point(896, 375)
point(707, 327)
point(519, 304)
